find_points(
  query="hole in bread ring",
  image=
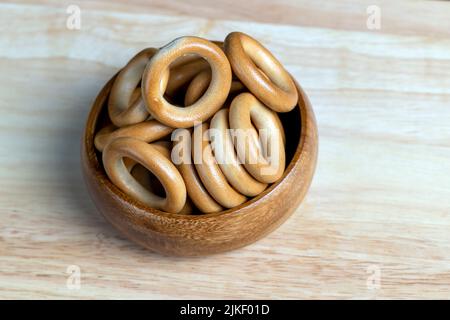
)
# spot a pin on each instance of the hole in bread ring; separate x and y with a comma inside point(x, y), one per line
point(180, 75)
point(199, 84)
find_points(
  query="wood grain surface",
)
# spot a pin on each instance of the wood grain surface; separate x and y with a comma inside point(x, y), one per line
point(376, 221)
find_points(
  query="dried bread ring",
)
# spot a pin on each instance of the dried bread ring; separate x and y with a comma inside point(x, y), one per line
point(157, 163)
point(227, 159)
point(124, 107)
point(246, 113)
point(261, 72)
point(208, 104)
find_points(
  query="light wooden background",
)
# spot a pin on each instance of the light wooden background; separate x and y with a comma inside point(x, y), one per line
point(380, 200)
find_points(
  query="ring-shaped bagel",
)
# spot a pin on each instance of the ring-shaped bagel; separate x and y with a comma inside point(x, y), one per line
point(227, 159)
point(261, 72)
point(246, 113)
point(151, 158)
point(124, 106)
point(208, 104)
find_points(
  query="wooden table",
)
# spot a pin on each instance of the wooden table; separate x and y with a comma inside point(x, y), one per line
point(376, 222)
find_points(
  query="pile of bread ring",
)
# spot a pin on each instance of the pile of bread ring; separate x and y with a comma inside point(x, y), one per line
point(173, 112)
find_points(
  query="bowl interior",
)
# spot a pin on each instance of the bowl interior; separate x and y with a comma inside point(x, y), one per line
point(292, 124)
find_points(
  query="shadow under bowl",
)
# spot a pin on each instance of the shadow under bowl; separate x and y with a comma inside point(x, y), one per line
point(203, 234)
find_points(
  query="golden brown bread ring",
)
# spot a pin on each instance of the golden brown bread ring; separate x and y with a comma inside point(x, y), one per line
point(124, 107)
point(151, 158)
point(147, 131)
point(209, 172)
point(195, 189)
point(208, 104)
point(246, 113)
point(261, 72)
point(227, 159)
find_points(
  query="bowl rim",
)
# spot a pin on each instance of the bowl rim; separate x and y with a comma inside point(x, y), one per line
point(94, 164)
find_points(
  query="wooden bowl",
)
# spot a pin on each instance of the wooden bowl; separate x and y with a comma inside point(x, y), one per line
point(191, 235)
